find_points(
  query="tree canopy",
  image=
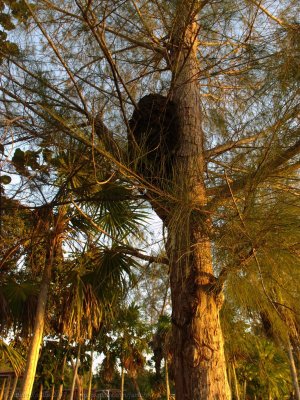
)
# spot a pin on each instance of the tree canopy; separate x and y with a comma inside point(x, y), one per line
point(112, 111)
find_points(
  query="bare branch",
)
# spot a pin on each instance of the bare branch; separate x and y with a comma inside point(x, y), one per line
point(216, 151)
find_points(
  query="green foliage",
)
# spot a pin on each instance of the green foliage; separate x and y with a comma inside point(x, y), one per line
point(14, 228)
point(11, 12)
point(112, 268)
point(81, 312)
point(260, 365)
point(126, 344)
point(117, 213)
point(18, 304)
point(289, 40)
point(12, 356)
point(50, 98)
point(8, 48)
point(24, 159)
point(5, 179)
point(266, 370)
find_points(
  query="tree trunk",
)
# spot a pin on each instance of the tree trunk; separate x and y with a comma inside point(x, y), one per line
point(122, 383)
point(245, 390)
point(2, 389)
point(34, 349)
point(7, 389)
point(293, 371)
point(40, 392)
point(167, 379)
point(53, 241)
point(79, 387)
point(236, 384)
point(61, 385)
point(199, 361)
point(270, 396)
point(75, 374)
point(137, 389)
point(14, 387)
point(52, 392)
point(90, 378)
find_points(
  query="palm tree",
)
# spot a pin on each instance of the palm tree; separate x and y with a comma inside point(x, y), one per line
point(13, 357)
point(114, 219)
point(161, 347)
point(284, 332)
point(131, 343)
point(52, 228)
point(256, 365)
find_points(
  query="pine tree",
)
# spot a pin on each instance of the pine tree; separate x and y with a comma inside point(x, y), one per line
point(222, 132)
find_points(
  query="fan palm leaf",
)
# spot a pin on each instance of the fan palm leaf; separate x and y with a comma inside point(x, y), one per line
point(110, 269)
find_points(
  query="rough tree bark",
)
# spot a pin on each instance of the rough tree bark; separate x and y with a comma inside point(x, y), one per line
point(199, 361)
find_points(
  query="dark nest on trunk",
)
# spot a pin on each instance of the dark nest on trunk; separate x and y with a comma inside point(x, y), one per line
point(153, 139)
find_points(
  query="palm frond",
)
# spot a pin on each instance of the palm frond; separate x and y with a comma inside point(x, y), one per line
point(111, 271)
point(11, 356)
point(116, 213)
point(81, 311)
point(19, 303)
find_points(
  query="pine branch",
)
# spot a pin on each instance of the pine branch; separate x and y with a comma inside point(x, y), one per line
point(216, 151)
point(223, 192)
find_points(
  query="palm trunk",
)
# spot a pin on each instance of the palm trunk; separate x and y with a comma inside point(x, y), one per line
point(167, 379)
point(79, 387)
point(14, 387)
point(293, 371)
point(236, 384)
point(137, 389)
point(52, 392)
point(36, 340)
point(122, 383)
point(75, 374)
point(2, 389)
point(90, 377)
point(61, 385)
point(7, 389)
point(41, 392)
point(245, 390)
point(34, 349)
point(199, 361)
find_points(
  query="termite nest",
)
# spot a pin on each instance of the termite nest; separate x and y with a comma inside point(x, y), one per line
point(153, 139)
